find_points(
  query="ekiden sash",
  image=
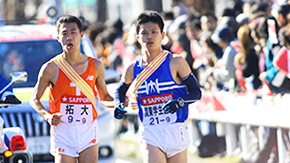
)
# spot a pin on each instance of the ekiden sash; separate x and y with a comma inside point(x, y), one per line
point(75, 77)
point(158, 60)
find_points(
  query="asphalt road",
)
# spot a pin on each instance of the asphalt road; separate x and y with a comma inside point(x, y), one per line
point(127, 151)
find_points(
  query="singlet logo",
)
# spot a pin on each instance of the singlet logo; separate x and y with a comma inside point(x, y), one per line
point(90, 77)
point(151, 86)
point(158, 99)
point(75, 99)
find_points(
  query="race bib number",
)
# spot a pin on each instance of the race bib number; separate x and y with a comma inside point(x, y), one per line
point(76, 110)
point(152, 112)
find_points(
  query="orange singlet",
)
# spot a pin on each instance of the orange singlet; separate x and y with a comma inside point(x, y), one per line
point(66, 98)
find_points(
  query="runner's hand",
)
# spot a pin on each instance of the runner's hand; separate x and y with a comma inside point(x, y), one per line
point(54, 119)
point(119, 112)
point(171, 106)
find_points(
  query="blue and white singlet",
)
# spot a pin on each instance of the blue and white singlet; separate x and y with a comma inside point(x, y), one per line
point(158, 88)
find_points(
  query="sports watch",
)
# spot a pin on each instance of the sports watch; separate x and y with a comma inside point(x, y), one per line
point(180, 101)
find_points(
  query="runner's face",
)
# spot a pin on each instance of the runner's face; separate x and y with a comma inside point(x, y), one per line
point(150, 36)
point(70, 37)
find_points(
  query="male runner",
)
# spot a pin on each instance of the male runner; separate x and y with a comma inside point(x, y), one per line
point(163, 88)
point(74, 80)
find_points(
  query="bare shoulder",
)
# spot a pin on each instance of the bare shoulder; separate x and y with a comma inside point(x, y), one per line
point(178, 65)
point(98, 64)
point(99, 70)
point(177, 60)
point(130, 67)
point(50, 68)
point(49, 71)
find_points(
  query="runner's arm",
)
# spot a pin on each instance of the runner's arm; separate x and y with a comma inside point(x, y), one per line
point(126, 80)
point(46, 73)
point(188, 79)
point(105, 98)
point(193, 90)
point(120, 94)
point(182, 71)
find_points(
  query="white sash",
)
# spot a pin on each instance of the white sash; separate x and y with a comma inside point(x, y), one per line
point(149, 70)
point(75, 77)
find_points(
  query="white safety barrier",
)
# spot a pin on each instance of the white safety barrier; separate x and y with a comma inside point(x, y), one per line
point(230, 110)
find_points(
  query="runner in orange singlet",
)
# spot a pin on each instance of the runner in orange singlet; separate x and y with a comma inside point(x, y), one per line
point(72, 114)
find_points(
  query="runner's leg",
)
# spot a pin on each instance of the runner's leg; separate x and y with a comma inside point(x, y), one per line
point(180, 157)
point(152, 154)
point(89, 155)
point(60, 158)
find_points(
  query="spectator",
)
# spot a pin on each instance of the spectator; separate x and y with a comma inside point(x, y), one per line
point(193, 32)
point(208, 22)
point(93, 31)
point(247, 60)
point(228, 19)
point(267, 29)
point(213, 53)
point(228, 12)
point(275, 78)
point(179, 8)
point(284, 36)
point(180, 42)
point(259, 9)
point(208, 25)
point(104, 46)
point(111, 49)
point(259, 33)
point(281, 15)
point(242, 19)
point(224, 70)
point(168, 21)
point(212, 50)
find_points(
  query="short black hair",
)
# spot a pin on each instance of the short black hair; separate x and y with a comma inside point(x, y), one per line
point(224, 34)
point(284, 10)
point(260, 7)
point(284, 35)
point(262, 28)
point(210, 14)
point(193, 20)
point(168, 15)
point(68, 19)
point(149, 16)
point(228, 12)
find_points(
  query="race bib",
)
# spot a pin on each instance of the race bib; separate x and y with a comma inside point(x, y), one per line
point(76, 110)
point(152, 112)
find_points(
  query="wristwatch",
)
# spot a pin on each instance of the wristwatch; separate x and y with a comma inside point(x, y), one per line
point(180, 101)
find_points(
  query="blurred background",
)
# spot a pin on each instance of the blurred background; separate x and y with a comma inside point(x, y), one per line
point(97, 10)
